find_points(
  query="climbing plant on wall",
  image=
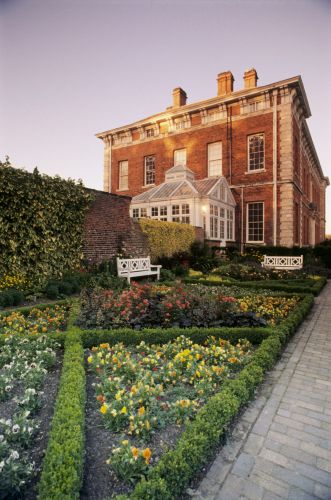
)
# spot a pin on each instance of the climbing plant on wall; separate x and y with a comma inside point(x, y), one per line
point(41, 223)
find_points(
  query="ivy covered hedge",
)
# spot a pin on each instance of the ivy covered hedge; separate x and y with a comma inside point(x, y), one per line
point(167, 238)
point(41, 223)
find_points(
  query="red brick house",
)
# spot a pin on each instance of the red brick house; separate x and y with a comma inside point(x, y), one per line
point(256, 138)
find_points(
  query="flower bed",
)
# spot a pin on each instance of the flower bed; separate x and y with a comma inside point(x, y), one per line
point(169, 476)
point(34, 321)
point(172, 306)
point(25, 364)
point(144, 391)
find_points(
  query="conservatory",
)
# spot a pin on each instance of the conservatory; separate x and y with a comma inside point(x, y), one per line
point(206, 203)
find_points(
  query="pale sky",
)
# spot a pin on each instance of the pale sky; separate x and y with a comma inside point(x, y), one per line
point(72, 68)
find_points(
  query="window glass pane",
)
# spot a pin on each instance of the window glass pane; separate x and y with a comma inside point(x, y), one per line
point(214, 159)
point(185, 220)
point(176, 219)
point(175, 210)
point(222, 235)
point(135, 213)
point(163, 210)
point(185, 209)
point(123, 175)
point(180, 157)
point(155, 211)
point(256, 152)
point(149, 170)
point(255, 218)
point(143, 212)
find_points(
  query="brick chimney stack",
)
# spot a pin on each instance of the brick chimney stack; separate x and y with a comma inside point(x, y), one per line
point(178, 97)
point(250, 78)
point(225, 83)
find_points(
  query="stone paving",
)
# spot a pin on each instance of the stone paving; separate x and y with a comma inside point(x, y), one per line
point(281, 446)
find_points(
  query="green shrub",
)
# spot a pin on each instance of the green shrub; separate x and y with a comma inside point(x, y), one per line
point(52, 292)
point(10, 298)
point(167, 238)
point(62, 470)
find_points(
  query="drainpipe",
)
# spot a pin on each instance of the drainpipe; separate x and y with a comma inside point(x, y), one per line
point(242, 222)
point(274, 166)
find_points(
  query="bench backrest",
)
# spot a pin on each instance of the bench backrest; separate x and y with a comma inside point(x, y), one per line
point(132, 265)
point(283, 261)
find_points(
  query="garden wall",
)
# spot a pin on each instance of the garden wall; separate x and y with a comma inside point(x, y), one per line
point(108, 229)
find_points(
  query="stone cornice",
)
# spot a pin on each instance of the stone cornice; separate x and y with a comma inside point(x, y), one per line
point(234, 97)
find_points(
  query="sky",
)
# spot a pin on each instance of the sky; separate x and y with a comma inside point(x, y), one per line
point(72, 68)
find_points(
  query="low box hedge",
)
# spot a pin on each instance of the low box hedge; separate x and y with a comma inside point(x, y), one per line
point(128, 336)
point(311, 286)
point(62, 469)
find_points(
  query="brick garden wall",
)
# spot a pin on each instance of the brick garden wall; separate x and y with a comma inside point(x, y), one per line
point(108, 228)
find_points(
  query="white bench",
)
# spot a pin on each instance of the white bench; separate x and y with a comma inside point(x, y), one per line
point(130, 268)
point(286, 262)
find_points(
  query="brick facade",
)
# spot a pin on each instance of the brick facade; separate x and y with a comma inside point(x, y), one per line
point(291, 185)
point(108, 228)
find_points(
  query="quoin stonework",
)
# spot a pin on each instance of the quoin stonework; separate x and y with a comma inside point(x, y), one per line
point(255, 138)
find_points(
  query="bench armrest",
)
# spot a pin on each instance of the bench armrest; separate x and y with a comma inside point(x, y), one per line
point(152, 265)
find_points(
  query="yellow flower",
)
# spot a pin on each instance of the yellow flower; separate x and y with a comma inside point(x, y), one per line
point(90, 359)
point(146, 453)
point(125, 442)
point(124, 410)
point(104, 409)
point(141, 411)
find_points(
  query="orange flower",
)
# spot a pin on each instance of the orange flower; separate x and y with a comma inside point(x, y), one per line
point(101, 398)
point(147, 455)
point(135, 452)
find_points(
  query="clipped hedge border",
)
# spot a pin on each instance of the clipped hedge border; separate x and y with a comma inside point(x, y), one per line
point(265, 285)
point(128, 336)
point(62, 469)
point(173, 473)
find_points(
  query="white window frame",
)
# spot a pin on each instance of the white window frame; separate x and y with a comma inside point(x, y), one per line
point(214, 161)
point(123, 186)
point(247, 222)
point(254, 170)
point(179, 152)
point(145, 170)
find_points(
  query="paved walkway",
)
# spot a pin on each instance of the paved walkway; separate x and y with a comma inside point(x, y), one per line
point(281, 447)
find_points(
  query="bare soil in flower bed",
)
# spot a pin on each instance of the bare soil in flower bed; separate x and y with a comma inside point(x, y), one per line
point(100, 481)
point(44, 416)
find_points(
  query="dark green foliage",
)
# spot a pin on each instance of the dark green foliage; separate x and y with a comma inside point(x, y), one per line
point(11, 297)
point(62, 470)
point(50, 238)
point(292, 286)
point(52, 292)
point(202, 257)
point(128, 336)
